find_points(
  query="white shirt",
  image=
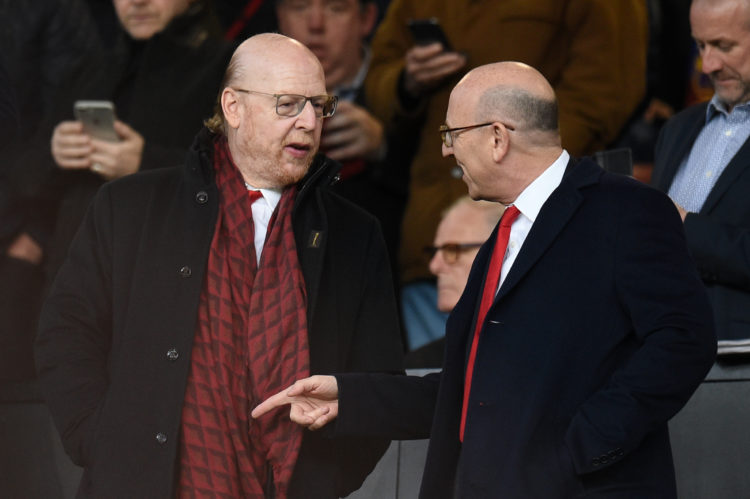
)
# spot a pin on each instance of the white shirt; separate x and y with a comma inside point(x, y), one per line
point(529, 203)
point(262, 210)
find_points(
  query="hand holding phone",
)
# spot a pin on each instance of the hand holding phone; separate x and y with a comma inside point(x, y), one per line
point(98, 118)
point(428, 31)
point(97, 141)
point(427, 65)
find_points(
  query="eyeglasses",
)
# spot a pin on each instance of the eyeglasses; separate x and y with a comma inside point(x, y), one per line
point(447, 134)
point(290, 105)
point(451, 251)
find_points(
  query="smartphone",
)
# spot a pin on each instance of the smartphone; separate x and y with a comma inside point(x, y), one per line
point(98, 118)
point(427, 31)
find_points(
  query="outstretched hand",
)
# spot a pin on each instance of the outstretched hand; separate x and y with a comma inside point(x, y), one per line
point(314, 402)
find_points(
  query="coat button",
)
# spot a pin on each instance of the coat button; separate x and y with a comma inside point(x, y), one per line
point(186, 271)
point(161, 438)
point(173, 354)
point(595, 461)
point(201, 197)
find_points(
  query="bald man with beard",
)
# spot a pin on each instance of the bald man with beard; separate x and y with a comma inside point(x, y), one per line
point(582, 330)
point(190, 294)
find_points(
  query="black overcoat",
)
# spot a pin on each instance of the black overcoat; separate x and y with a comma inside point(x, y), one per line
point(114, 344)
point(599, 334)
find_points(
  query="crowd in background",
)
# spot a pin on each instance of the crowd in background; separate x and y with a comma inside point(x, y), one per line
point(618, 83)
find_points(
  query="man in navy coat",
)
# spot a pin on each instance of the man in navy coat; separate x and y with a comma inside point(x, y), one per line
point(599, 332)
point(703, 162)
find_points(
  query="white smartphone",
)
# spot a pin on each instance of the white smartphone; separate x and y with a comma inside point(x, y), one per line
point(98, 118)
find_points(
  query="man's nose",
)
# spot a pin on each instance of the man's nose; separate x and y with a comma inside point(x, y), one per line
point(710, 60)
point(447, 151)
point(307, 119)
point(316, 20)
point(436, 263)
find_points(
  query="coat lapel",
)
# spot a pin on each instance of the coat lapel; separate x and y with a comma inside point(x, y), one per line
point(554, 215)
point(739, 163)
point(680, 149)
point(311, 225)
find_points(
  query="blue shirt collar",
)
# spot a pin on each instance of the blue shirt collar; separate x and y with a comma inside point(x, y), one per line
point(716, 106)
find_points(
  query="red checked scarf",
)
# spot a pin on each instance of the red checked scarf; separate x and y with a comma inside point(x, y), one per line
point(251, 342)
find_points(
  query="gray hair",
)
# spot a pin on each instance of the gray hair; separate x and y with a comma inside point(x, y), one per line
point(521, 108)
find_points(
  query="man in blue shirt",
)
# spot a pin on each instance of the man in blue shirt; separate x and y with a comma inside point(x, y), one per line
point(703, 163)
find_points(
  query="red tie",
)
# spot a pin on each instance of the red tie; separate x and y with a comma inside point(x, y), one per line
point(254, 195)
point(488, 296)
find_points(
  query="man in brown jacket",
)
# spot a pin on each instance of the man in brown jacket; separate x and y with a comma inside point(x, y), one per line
point(592, 52)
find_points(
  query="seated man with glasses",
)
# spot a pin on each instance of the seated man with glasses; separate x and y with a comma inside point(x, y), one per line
point(192, 293)
point(465, 226)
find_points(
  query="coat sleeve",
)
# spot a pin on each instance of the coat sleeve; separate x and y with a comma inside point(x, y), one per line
point(671, 318)
point(720, 250)
point(391, 406)
point(74, 335)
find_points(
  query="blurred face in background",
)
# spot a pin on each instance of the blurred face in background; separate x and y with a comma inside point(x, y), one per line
point(332, 29)
point(142, 19)
point(465, 223)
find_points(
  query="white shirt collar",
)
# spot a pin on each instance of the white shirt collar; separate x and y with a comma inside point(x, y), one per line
point(530, 201)
point(270, 196)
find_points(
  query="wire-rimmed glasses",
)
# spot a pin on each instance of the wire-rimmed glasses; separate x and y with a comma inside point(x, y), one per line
point(291, 105)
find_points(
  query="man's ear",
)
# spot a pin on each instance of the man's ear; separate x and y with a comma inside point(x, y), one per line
point(368, 16)
point(500, 141)
point(230, 105)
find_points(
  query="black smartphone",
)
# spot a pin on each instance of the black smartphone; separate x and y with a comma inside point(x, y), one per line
point(427, 31)
point(98, 118)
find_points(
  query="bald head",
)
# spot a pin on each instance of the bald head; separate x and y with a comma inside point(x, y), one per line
point(486, 214)
point(255, 58)
point(259, 62)
point(515, 92)
point(465, 224)
point(515, 110)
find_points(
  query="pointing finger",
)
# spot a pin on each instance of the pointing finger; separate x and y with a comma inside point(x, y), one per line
point(273, 402)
